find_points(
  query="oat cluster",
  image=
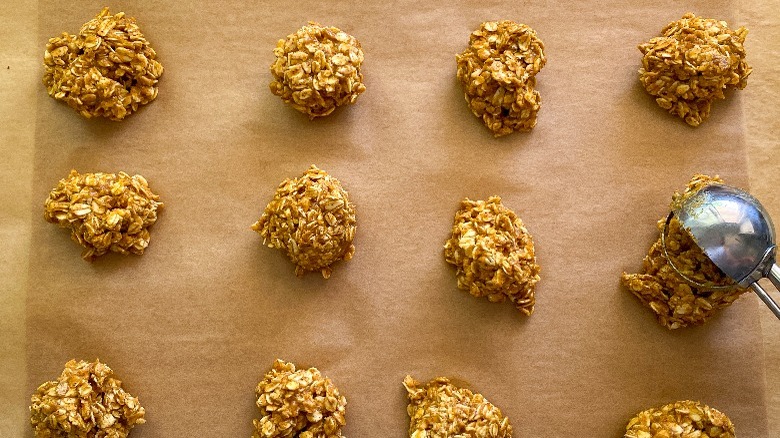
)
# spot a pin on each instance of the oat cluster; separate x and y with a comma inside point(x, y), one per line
point(312, 220)
point(684, 419)
point(692, 63)
point(675, 302)
point(317, 69)
point(493, 253)
point(442, 410)
point(86, 401)
point(298, 404)
point(107, 70)
point(498, 73)
point(105, 211)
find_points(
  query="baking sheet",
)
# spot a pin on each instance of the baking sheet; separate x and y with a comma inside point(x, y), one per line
point(193, 324)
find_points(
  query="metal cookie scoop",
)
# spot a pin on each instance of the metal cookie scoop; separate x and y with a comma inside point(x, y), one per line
point(735, 232)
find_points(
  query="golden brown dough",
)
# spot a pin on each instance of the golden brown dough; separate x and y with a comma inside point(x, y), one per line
point(298, 404)
point(317, 69)
point(675, 302)
point(86, 401)
point(683, 419)
point(107, 70)
point(105, 211)
point(440, 409)
point(493, 253)
point(312, 220)
point(498, 73)
point(692, 63)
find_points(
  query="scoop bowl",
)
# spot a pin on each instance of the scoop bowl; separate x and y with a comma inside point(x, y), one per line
point(736, 233)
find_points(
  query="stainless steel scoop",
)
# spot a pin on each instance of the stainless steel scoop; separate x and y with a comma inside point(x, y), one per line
point(735, 232)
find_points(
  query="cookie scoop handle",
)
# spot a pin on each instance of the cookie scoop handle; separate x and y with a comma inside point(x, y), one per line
point(774, 276)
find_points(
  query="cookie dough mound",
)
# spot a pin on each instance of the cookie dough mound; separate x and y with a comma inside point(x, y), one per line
point(105, 211)
point(498, 73)
point(300, 403)
point(675, 302)
point(691, 64)
point(312, 220)
point(493, 253)
point(680, 420)
point(318, 69)
point(88, 401)
point(107, 70)
point(441, 410)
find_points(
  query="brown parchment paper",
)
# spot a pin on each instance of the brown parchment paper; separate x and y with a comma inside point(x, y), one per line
point(763, 142)
point(193, 324)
